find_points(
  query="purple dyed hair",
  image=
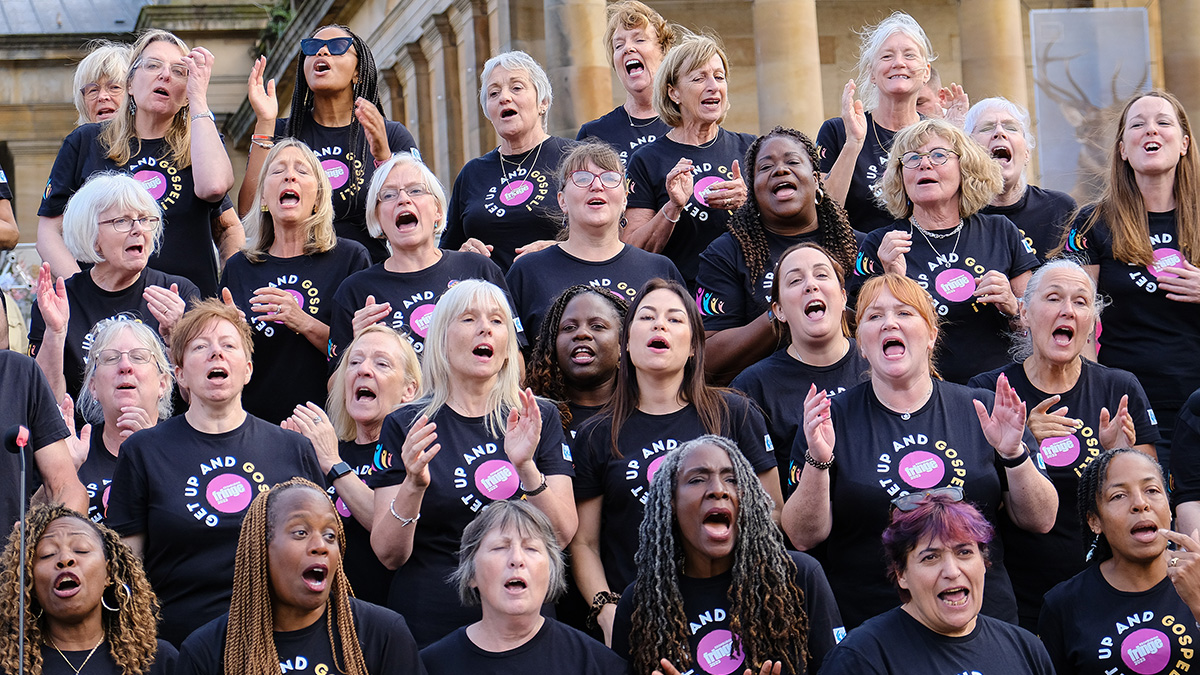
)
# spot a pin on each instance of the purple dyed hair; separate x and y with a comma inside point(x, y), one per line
point(936, 516)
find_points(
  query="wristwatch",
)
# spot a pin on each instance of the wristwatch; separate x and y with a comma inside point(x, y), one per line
point(207, 113)
point(1014, 462)
point(340, 469)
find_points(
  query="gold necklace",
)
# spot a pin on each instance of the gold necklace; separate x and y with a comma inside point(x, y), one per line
point(64, 656)
point(875, 130)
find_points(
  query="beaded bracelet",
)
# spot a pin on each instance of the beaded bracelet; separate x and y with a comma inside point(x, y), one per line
point(404, 522)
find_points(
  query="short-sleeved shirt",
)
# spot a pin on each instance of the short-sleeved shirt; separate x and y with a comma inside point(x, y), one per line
point(90, 304)
point(369, 578)
point(413, 295)
point(699, 224)
point(555, 648)
point(101, 661)
point(96, 474)
point(350, 171)
point(187, 244)
point(1185, 467)
point(5, 188)
point(1041, 216)
point(25, 399)
point(644, 441)
point(623, 132)
point(706, 605)
point(779, 383)
point(470, 472)
point(387, 645)
point(187, 491)
point(537, 279)
point(881, 455)
point(866, 215)
point(288, 369)
point(897, 644)
point(1091, 628)
point(973, 336)
point(507, 201)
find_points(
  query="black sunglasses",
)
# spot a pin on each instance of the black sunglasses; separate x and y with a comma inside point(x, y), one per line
point(336, 46)
point(912, 500)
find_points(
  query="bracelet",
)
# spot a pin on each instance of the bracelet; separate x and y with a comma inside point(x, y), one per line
point(808, 459)
point(206, 114)
point(404, 522)
point(668, 219)
point(1015, 461)
point(264, 144)
point(598, 602)
point(536, 491)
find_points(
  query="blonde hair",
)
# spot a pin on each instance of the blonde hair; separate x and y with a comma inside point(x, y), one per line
point(119, 136)
point(343, 424)
point(980, 176)
point(691, 52)
point(631, 15)
point(107, 61)
point(871, 39)
point(259, 225)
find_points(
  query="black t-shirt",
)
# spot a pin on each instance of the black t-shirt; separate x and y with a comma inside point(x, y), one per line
point(1041, 216)
point(1091, 628)
point(623, 132)
point(506, 201)
point(288, 369)
point(350, 173)
point(369, 578)
point(469, 472)
point(5, 188)
point(779, 383)
point(865, 213)
point(24, 399)
point(412, 295)
point(706, 604)
point(537, 279)
point(187, 244)
point(1143, 332)
point(387, 645)
point(90, 304)
point(699, 224)
point(1185, 469)
point(973, 337)
point(895, 643)
point(187, 491)
point(101, 662)
point(726, 295)
point(1037, 562)
point(644, 441)
point(556, 648)
point(880, 455)
point(96, 474)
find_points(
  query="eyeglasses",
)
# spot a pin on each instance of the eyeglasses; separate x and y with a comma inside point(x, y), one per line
point(912, 500)
point(583, 179)
point(392, 194)
point(937, 157)
point(154, 67)
point(111, 357)
point(91, 91)
point(336, 46)
point(124, 224)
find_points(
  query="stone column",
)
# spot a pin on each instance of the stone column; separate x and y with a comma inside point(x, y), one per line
point(1181, 51)
point(413, 71)
point(787, 57)
point(441, 50)
point(993, 50)
point(577, 64)
point(520, 27)
point(469, 20)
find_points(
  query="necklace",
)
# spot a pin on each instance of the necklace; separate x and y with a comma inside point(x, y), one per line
point(907, 414)
point(635, 125)
point(930, 236)
point(85, 661)
point(875, 131)
point(517, 171)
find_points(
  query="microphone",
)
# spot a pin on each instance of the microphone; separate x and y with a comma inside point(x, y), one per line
point(16, 438)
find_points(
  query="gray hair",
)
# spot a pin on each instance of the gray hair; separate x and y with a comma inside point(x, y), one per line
point(871, 41)
point(1017, 111)
point(528, 521)
point(108, 61)
point(103, 191)
point(381, 175)
point(103, 334)
point(1022, 340)
point(518, 60)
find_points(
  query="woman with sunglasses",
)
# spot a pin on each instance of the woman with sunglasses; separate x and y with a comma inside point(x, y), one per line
point(592, 198)
point(166, 137)
point(974, 266)
point(336, 111)
point(114, 223)
point(902, 431)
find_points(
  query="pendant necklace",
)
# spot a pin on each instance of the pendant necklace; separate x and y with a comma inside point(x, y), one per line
point(85, 660)
point(504, 174)
point(635, 125)
point(930, 236)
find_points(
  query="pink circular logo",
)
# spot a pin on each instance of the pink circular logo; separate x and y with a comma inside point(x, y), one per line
point(516, 193)
point(337, 172)
point(922, 469)
point(653, 469)
point(420, 319)
point(700, 189)
point(717, 654)
point(154, 182)
point(1146, 651)
point(955, 285)
point(1061, 451)
point(228, 493)
point(1165, 257)
point(342, 509)
point(497, 479)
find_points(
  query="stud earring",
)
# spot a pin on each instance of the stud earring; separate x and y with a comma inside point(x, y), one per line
point(265, 209)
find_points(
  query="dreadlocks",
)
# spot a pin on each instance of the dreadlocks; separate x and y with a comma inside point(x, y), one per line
point(250, 637)
point(129, 632)
point(746, 225)
point(544, 376)
point(1091, 481)
point(766, 613)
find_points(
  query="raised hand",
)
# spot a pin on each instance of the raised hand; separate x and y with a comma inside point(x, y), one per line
point(1117, 431)
point(262, 96)
point(1046, 424)
point(420, 447)
point(1005, 426)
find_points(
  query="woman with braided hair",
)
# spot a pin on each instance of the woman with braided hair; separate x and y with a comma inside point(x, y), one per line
point(787, 205)
point(87, 601)
point(336, 111)
point(709, 551)
point(292, 606)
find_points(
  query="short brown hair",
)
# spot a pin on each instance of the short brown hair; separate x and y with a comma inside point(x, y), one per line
point(197, 319)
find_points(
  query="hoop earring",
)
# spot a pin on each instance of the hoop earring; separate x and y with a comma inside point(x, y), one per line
point(104, 604)
point(820, 196)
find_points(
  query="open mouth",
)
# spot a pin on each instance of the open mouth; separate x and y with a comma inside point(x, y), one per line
point(815, 309)
point(711, 101)
point(658, 342)
point(289, 197)
point(1001, 153)
point(218, 374)
point(315, 577)
point(955, 597)
point(583, 355)
point(596, 201)
point(927, 181)
point(1152, 147)
point(634, 66)
point(784, 189)
point(322, 66)
point(106, 110)
point(66, 585)
point(1144, 531)
point(1062, 335)
point(718, 523)
point(893, 347)
point(405, 218)
point(483, 351)
point(162, 91)
point(364, 394)
point(126, 386)
point(515, 584)
point(135, 249)
point(899, 76)
point(507, 113)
